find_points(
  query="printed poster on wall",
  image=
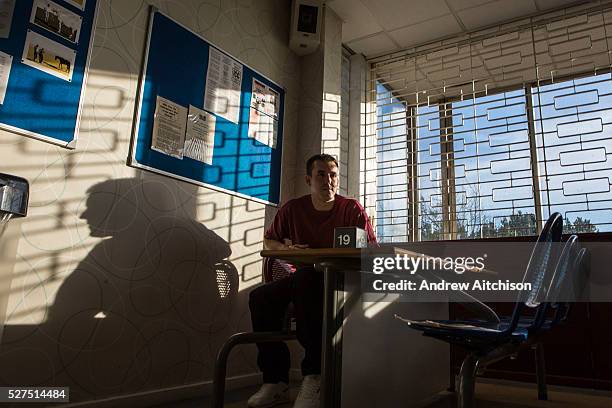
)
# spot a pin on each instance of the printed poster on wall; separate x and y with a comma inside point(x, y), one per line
point(6, 61)
point(200, 137)
point(263, 114)
point(223, 85)
point(169, 128)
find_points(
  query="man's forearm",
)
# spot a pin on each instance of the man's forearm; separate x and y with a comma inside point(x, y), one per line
point(274, 245)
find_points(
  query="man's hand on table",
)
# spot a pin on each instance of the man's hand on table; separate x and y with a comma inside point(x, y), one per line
point(273, 245)
point(297, 246)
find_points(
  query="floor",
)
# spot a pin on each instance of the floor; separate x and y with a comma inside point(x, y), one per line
point(518, 396)
point(488, 395)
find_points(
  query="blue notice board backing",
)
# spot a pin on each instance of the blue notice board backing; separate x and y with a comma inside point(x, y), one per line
point(176, 69)
point(49, 42)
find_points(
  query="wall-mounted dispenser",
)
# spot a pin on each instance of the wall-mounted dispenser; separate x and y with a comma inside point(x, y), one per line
point(305, 30)
point(14, 195)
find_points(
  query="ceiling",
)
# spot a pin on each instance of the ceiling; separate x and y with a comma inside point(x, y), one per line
point(375, 27)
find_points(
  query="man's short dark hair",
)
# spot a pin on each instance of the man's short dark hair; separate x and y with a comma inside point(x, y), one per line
point(325, 158)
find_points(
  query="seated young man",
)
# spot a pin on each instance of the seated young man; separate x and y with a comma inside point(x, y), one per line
point(302, 223)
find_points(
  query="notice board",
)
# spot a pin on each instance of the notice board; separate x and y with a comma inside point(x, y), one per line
point(205, 117)
point(44, 52)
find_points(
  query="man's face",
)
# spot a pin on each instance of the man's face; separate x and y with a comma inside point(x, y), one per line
point(323, 180)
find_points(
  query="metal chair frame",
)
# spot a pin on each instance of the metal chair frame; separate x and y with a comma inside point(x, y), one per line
point(272, 270)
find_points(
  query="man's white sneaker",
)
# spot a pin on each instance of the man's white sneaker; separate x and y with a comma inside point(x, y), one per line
point(309, 395)
point(269, 395)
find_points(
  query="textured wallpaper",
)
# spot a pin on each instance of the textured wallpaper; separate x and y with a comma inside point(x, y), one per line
point(122, 281)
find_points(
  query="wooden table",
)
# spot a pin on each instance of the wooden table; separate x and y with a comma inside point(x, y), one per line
point(331, 261)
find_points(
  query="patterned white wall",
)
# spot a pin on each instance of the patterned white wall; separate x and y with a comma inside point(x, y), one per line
point(319, 123)
point(331, 142)
point(121, 281)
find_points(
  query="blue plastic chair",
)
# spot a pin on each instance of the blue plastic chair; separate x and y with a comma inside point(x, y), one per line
point(572, 288)
point(488, 342)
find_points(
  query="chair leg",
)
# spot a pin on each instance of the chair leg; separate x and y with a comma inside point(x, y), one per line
point(220, 372)
point(452, 386)
point(467, 381)
point(218, 395)
point(541, 372)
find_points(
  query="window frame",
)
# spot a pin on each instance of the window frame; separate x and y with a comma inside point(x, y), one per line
point(449, 204)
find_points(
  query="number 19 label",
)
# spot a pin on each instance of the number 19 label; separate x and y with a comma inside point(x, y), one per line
point(344, 239)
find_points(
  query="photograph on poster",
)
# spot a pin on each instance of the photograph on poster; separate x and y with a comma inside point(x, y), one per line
point(77, 3)
point(265, 99)
point(57, 19)
point(48, 56)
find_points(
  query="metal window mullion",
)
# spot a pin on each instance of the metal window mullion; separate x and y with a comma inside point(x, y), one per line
point(415, 175)
point(450, 146)
point(443, 173)
point(534, 158)
point(411, 167)
point(449, 213)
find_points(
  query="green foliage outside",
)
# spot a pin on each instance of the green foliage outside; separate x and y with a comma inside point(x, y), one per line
point(474, 223)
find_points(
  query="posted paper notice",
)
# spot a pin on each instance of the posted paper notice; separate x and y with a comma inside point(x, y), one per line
point(5, 69)
point(6, 17)
point(169, 128)
point(200, 138)
point(262, 128)
point(263, 114)
point(223, 85)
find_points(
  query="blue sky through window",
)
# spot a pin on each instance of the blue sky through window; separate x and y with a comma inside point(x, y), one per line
point(491, 159)
point(573, 124)
point(493, 180)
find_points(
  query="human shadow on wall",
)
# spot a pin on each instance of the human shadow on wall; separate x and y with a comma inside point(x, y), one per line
point(143, 309)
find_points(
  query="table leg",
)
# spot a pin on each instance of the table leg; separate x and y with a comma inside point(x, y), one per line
point(327, 355)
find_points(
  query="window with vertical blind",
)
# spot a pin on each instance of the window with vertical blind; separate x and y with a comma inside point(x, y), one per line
point(488, 134)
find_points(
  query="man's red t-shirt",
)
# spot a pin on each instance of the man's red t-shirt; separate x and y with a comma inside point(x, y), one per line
point(298, 221)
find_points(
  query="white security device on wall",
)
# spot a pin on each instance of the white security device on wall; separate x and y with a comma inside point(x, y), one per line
point(305, 33)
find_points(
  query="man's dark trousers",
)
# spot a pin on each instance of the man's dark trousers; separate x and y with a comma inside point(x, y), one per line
point(268, 304)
